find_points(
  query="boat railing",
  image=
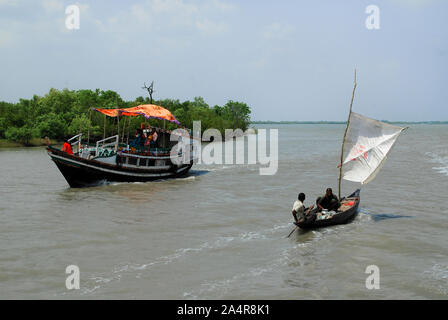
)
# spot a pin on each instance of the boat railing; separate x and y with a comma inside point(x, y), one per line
point(78, 136)
point(155, 156)
point(104, 143)
point(77, 141)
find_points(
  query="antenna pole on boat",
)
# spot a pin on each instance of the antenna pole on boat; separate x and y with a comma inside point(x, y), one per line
point(88, 128)
point(118, 125)
point(118, 119)
point(129, 130)
point(124, 127)
point(343, 140)
point(104, 134)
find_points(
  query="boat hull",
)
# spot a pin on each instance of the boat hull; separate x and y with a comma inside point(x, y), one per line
point(80, 172)
point(340, 218)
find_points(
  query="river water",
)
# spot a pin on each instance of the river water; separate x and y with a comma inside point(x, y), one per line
point(220, 233)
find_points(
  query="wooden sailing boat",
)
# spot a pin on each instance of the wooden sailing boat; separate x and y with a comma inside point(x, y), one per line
point(365, 147)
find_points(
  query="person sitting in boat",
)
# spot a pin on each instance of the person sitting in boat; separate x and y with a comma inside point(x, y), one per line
point(298, 209)
point(329, 201)
point(148, 140)
point(139, 140)
point(67, 147)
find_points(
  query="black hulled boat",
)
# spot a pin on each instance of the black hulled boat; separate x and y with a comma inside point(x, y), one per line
point(346, 213)
point(110, 161)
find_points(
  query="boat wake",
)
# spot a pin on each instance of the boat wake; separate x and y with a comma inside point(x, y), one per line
point(104, 183)
point(438, 277)
point(301, 255)
point(217, 168)
point(286, 257)
point(439, 159)
point(196, 173)
point(302, 246)
point(95, 282)
point(222, 287)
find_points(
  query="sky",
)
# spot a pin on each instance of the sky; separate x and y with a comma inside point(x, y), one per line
point(288, 60)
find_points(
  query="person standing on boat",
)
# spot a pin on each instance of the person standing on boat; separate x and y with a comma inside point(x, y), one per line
point(298, 209)
point(329, 201)
point(67, 147)
point(154, 138)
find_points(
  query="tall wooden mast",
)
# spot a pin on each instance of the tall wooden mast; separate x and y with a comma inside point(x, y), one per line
point(343, 140)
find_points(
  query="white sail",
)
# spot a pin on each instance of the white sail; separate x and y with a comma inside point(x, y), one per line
point(366, 146)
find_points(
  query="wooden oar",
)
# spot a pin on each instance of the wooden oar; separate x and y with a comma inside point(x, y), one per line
point(292, 231)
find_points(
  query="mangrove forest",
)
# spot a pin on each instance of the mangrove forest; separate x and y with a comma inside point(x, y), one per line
point(61, 113)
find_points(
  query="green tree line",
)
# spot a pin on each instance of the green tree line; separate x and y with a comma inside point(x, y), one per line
point(61, 113)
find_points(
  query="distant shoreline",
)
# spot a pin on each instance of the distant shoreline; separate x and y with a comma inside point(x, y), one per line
point(344, 122)
point(35, 142)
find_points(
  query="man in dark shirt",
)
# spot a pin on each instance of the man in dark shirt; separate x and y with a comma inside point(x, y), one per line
point(139, 140)
point(329, 201)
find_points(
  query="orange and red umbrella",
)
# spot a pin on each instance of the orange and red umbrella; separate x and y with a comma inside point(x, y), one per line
point(147, 110)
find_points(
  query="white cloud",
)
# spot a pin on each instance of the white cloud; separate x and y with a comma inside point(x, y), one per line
point(415, 3)
point(278, 31)
point(6, 39)
point(41, 22)
point(222, 6)
point(9, 2)
point(209, 27)
point(203, 16)
point(173, 6)
point(160, 18)
point(52, 6)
